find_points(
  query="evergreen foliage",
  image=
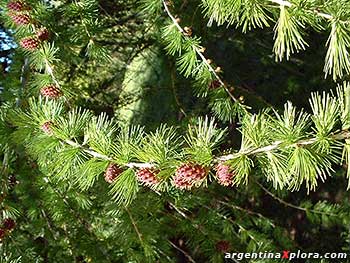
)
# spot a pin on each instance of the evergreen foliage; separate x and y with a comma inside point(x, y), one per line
point(114, 124)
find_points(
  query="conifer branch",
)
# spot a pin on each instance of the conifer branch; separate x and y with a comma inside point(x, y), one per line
point(202, 57)
point(39, 51)
point(190, 259)
point(49, 223)
point(105, 157)
point(87, 226)
point(84, 24)
point(250, 212)
point(280, 200)
point(49, 70)
point(75, 147)
point(164, 150)
point(23, 80)
point(139, 234)
point(87, 150)
point(289, 4)
point(342, 135)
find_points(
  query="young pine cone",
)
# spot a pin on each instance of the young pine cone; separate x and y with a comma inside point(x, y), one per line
point(47, 127)
point(187, 175)
point(51, 91)
point(148, 176)
point(15, 6)
point(29, 43)
point(112, 173)
point(20, 19)
point(224, 175)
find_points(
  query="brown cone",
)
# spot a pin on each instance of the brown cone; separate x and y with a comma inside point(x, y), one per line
point(29, 43)
point(46, 127)
point(148, 176)
point(9, 224)
point(2, 233)
point(15, 6)
point(189, 174)
point(20, 19)
point(51, 91)
point(223, 246)
point(112, 172)
point(224, 175)
point(43, 34)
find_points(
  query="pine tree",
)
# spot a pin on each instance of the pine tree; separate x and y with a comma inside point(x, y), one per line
point(122, 119)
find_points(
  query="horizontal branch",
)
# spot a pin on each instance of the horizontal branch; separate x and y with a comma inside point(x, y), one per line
point(306, 210)
point(275, 145)
point(88, 150)
point(342, 135)
point(289, 4)
point(105, 157)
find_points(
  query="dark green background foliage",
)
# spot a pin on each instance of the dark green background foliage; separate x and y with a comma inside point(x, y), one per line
point(112, 57)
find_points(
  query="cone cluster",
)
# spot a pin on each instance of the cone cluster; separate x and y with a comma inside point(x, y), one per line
point(2, 233)
point(186, 176)
point(18, 11)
